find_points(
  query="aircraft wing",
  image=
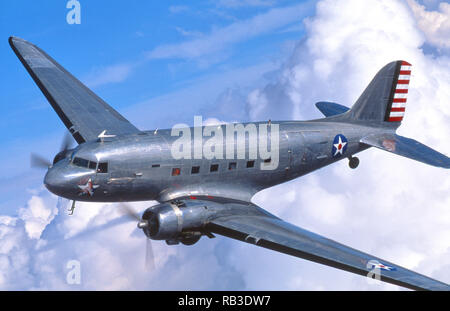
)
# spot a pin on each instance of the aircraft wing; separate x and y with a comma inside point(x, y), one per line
point(256, 226)
point(83, 113)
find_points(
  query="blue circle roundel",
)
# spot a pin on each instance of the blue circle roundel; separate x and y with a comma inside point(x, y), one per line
point(339, 145)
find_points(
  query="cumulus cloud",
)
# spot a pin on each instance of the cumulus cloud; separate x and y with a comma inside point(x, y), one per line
point(37, 216)
point(434, 24)
point(391, 207)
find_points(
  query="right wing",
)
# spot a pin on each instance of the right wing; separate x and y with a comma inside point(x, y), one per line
point(250, 223)
point(83, 113)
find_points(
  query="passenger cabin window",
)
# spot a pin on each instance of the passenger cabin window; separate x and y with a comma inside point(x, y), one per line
point(102, 167)
point(195, 170)
point(214, 168)
point(176, 171)
point(80, 162)
point(250, 164)
point(155, 165)
point(231, 166)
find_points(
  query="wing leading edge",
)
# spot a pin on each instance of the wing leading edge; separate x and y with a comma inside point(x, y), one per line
point(265, 230)
point(83, 113)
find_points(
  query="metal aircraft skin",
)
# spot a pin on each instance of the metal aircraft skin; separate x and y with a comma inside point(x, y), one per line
point(116, 162)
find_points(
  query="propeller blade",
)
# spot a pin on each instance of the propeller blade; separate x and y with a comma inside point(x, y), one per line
point(37, 161)
point(127, 210)
point(67, 142)
point(149, 257)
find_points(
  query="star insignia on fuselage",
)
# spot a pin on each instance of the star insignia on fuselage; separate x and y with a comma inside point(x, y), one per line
point(339, 145)
point(87, 188)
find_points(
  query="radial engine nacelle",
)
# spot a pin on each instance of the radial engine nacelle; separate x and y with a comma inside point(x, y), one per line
point(177, 221)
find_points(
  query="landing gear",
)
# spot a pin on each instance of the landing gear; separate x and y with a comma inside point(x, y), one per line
point(353, 162)
point(190, 240)
point(71, 209)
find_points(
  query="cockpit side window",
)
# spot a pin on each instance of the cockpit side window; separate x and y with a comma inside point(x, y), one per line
point(102, 167)
point(80, 162)
point(92, 165)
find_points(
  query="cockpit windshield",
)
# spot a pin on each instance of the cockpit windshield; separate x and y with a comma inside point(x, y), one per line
point(84, 163)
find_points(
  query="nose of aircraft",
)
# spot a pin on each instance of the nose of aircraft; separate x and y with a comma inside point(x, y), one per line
point(53, 181)
point(64, 180)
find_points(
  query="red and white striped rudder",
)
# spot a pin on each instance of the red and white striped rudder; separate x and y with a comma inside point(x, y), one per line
point(397, 103)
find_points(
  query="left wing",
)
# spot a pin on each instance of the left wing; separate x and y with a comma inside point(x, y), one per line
point(84, 114)
point(254, 225)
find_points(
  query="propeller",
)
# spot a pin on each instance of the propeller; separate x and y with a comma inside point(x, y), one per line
point(66, 142)
point(37, 161)
point(127, 210)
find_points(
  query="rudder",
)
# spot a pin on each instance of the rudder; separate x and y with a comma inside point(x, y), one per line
point(384, 99)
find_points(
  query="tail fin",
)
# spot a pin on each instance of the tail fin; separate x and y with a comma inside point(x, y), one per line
point(384, 99)
point(383, 102)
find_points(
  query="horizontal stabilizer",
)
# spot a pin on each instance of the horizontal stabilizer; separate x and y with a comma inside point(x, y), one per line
point(331, 109)
point(407, 147)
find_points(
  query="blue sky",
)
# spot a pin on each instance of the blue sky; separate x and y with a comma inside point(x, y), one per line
point(123, 42)
point(160, 64)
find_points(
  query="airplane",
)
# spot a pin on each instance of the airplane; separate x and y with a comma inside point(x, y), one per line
point(203, 196)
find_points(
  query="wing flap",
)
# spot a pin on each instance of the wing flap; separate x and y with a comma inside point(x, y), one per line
point(276, 234)
point(83, 113)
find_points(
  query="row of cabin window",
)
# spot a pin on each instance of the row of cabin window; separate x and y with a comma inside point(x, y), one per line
point(214, 167)
point(101, 168)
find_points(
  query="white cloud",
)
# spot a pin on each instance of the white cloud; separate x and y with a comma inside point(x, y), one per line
point(109, 74)
point(220, 38)
point(37, 215)
point(434, 24)
point(188, 33)
point(390, 206)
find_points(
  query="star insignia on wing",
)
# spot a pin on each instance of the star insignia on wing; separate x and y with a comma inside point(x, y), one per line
point(377, 265)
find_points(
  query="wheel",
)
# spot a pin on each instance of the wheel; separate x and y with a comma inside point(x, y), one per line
point(190, 240)
point(353, 162)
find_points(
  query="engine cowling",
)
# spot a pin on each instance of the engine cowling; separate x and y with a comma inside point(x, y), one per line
point(177, 221)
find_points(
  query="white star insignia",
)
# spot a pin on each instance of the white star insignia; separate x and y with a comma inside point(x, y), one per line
point(339, 146)
point(88, 188)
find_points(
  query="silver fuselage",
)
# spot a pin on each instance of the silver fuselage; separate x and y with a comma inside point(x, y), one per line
point(140, 166)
